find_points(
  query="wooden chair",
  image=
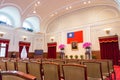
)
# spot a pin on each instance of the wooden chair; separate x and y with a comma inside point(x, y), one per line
point(11, 65)
point(112, 68)
point(46, 60)
point(94, 70)
point(60, 62)
point(22, 66)
point(74, 72)
point(51, 71)
point(105, 68)
point(15, 75)
point(34, 68)
point(76, 61)
point(3, 65)
point(35, 60)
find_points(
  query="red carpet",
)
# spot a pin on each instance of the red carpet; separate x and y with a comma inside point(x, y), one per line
point(117, 70)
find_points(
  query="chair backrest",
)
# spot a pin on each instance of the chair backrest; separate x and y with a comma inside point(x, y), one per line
point(60, 62)
point(34, 68)
point(46, 60)
point(105, 67)
point(110, 65)
point(51, 71)
point(94, 69)
point(11, 65)
point(22, 66)
point(76, 61)
point(3, 65)
point(74, 72)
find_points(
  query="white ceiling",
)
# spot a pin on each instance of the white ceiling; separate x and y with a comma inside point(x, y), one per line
point(48, 9)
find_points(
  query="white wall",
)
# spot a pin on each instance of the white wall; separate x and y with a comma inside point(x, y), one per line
point(91, 20)
point(16, 35)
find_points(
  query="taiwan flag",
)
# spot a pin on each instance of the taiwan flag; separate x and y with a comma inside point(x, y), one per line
point(75, 37)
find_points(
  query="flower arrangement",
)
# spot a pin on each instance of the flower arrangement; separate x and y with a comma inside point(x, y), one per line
point(61, 46)
point(86, 45)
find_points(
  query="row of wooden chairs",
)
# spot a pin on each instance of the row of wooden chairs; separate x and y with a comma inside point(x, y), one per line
point(50, 70)
point(94, 69)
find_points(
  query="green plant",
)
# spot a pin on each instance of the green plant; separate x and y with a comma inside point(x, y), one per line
point(71, 56)
point(59, 57)
point(94, 57)
point(66, 56)
point(76, 56)
point(81, 56)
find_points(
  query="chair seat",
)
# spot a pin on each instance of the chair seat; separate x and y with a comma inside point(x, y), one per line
point(106, 74)
point(91, 78)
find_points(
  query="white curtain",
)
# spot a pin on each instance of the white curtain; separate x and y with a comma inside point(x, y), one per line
point(24, 53)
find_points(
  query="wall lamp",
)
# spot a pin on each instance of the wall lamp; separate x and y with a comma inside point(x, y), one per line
point(2, 34)
point(52, 39)
point(24, 38)
point(107, 30)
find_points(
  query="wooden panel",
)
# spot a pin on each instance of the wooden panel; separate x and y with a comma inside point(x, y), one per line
point(96, 54)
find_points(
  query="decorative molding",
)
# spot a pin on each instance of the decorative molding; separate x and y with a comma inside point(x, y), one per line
point(97, 23)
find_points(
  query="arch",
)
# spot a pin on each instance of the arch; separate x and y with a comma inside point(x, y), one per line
point(12, 12)
point(81, 17)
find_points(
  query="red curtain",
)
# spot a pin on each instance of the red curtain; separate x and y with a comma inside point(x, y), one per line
point(21, 44)
point(6, 41)
point(51, 50)
point(109, 48)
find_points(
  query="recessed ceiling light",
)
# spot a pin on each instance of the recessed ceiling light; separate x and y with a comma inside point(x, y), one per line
point(66, 8)
point(52, 14)
point(89, 1)
point(34, 11)
point(38, 2)
point(85, 3)
point(35, 4)
point(70, 7)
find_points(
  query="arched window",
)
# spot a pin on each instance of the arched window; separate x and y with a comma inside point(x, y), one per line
point(32, 24)
point(28, 26)
point(5, 19)
point(10, 15)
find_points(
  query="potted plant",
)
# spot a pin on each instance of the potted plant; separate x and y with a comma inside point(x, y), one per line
point(66, 56)
point(71, 56)
point(87, 46)
point(81, 56)
point(61, 47)
point(76, 56)
point(94, 57)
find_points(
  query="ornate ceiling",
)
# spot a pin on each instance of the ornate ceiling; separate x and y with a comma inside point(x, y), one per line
point(50, 9)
